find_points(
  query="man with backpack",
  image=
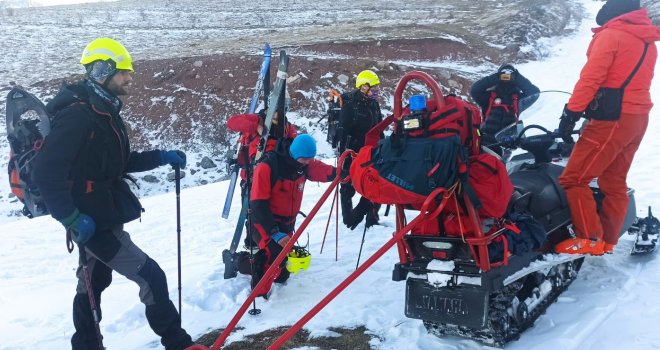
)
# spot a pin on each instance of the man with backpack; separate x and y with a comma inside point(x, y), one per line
point(620, 64)
point(81, 173)
point(502, 96)
point(275, 199)
point(359, 113)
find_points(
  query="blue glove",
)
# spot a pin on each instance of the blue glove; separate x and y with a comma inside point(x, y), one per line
point(173, 158)
point(81, 225)
point(277, 237)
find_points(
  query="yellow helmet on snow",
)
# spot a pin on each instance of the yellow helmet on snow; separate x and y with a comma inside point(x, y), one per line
point(298, 258)
point(366, 77)
point(107, 49)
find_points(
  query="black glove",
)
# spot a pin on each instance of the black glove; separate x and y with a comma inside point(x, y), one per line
point(567, 123)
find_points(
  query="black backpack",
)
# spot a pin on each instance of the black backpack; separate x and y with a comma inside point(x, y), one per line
point(335, 102)
point(28, 124)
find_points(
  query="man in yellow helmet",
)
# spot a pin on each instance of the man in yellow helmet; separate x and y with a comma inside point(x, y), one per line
point(80, 172)
point(360, 112)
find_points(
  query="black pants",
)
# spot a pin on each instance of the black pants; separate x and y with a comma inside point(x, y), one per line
point(262, 261)
point(113, 250)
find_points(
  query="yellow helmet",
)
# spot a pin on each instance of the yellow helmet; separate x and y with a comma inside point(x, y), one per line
point(366, 77)
point(298, 258)
point(107, 49)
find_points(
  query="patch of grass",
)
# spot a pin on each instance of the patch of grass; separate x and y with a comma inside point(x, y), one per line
point(349, 338)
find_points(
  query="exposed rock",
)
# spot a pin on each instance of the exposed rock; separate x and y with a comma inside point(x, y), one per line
point(170, 176)
point(192, 171)
point(454, 84)
point(207, 163)
point(150, 179)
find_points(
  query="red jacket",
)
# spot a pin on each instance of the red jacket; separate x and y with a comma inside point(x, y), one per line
point(613, 53)
point(247, 125)
point(277, 190)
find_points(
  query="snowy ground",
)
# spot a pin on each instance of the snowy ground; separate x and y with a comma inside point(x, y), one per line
point(612, 305)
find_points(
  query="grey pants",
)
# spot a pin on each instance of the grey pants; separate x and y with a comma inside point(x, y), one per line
point(113, 250)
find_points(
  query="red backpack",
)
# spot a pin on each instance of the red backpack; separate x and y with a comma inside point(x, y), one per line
point(406, 167)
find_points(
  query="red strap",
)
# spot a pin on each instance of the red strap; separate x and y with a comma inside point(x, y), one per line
point(512, 227)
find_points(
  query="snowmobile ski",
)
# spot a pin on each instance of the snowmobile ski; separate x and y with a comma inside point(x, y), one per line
point(647, 231)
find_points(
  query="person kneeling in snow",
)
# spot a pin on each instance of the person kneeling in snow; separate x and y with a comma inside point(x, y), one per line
point(277, 191)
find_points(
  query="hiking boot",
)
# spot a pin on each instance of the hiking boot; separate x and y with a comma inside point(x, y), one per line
point(372, 219)
point(608, 248)
point(579, 246)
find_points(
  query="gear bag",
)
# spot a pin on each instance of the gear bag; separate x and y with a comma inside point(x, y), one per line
point(406, 167)
point(335, 103)
point(488, 177)
point(28, 124)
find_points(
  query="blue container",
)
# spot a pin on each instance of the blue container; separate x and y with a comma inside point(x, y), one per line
point(417, 103)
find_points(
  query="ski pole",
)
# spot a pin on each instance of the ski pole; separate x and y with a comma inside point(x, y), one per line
point(332, 207)
point(177, 180)
point(364, 233)
point(337, 224)
point(387, 210)
point(90, 295)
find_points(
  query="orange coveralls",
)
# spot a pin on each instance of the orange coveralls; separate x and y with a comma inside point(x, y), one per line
point(605, 149)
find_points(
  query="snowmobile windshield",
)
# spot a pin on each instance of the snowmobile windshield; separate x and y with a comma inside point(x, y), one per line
point(543, 109)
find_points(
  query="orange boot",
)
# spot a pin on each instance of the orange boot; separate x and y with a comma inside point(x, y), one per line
point(579, 246)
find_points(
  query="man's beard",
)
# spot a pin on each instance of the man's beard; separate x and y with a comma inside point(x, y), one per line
point(116, 89)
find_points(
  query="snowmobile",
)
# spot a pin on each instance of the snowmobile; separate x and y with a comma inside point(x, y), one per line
point(488, 301)
point(495, 303)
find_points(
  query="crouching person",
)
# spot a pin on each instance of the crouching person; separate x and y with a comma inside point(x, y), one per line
point(80, 172)
point(275, 199)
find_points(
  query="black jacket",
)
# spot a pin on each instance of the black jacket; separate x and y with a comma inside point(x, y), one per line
point(482, 88)
point(85, 157)
point(358, 115)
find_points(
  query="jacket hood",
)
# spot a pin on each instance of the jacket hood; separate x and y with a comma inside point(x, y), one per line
point(85, 92)
point(68, 95)
point(636, 23)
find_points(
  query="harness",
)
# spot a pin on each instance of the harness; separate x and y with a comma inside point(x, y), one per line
point(513, 107)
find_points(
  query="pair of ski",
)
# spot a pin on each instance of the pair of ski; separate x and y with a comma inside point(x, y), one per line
point(275, 101)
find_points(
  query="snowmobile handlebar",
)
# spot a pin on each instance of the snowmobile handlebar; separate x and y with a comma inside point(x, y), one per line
point(537, 145)
point(418, 75)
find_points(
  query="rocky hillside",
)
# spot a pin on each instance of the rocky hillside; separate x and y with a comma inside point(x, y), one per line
point(196, 64)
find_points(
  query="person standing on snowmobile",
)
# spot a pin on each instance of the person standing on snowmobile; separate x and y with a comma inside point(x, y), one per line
point(502, 96)
point(80, 172)
point(278, 183)
point(606, 147)
point(360, 112)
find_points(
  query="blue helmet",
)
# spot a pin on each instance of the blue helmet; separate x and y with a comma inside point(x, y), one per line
point(303, 146)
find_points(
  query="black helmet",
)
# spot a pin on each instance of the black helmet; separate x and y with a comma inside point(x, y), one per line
point(615, 8)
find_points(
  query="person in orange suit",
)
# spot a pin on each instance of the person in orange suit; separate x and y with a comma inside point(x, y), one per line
point(605, 148)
